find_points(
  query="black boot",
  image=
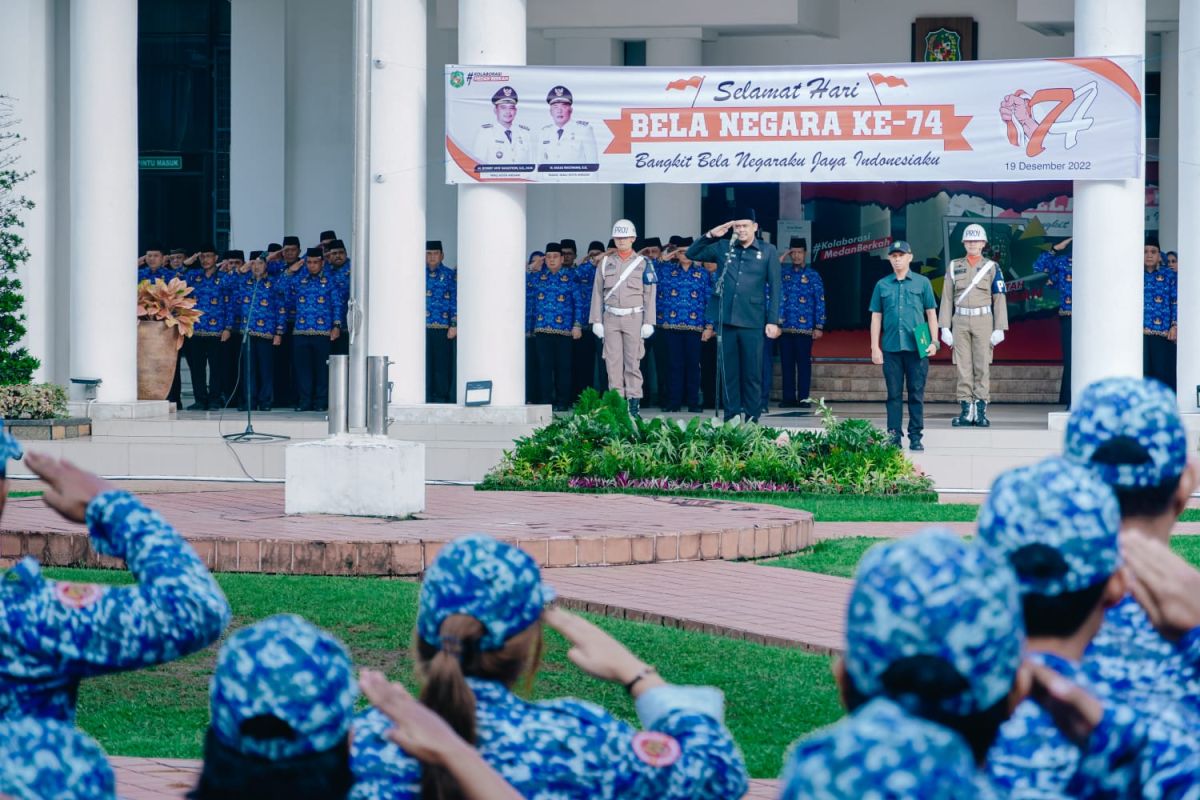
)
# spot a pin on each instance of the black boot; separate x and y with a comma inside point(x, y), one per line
point(981, 414)
point(635, 407)
point(965, 418)
point(895, 439)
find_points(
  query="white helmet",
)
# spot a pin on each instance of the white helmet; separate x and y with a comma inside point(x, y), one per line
point(623, 228)
point(974, 233)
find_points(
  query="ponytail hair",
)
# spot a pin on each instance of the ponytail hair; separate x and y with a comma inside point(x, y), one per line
point(446, 691)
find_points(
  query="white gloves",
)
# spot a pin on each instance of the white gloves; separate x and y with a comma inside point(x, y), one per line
point(598, 329)
point(997, 337)
point(947, 337)
point(647, 331)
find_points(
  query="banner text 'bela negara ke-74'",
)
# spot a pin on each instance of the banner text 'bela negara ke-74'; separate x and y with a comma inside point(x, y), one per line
point(1042, 119)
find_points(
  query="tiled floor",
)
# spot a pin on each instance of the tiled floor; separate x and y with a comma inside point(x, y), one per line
point(243, 528)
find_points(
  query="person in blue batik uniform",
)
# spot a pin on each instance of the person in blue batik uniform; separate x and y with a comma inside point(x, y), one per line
point(260, 302)
point(1057, 523)
point(337, 265)
point(933, 664)
point(285, 265)
point(558, 316)
point(480, 618)
point(684, 290)
point(203, 349)
point(1128, 430)
point(1160, 305)
point(152, 265)
point(441, 325)
point(282, 700)
point(53, 634)
point(1056, 263)
point(316, 298)
point(802, 318)
point(533, 265)
point(47, 758)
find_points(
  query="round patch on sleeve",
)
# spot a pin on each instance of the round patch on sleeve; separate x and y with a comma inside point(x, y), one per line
point(656, 749)
point(77, 595)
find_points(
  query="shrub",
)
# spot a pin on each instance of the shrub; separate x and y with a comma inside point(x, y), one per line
point(600, 447)
point(16, 364)
point(33, 401)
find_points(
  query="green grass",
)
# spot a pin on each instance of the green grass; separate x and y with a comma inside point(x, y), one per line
point(1190, 515)
point(773, 694)
point(838, 508)
point(38, 493)
point(840, 556)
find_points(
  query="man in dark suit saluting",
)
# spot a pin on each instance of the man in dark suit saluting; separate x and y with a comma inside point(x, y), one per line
point(745, 266)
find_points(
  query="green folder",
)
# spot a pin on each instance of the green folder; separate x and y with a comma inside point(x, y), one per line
point(924, 338)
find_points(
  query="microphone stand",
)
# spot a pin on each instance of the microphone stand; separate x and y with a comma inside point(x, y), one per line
point(718, 401)
point(251, 435)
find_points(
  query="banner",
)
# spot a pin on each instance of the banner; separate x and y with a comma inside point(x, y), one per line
point(1043, 119)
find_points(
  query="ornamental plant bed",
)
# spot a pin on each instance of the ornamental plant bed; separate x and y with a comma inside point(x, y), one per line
point(600, 447)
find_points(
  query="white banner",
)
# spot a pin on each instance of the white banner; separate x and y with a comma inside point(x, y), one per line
point(1044, 119)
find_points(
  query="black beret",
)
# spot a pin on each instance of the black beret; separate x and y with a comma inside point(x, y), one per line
point(800, 242)
point(337, 244)
point(1152, 241)
point(595, 245)
point(179, 251)
point(291, 240)
point(155, 246)
point(639, 244)
point(209, 248)
point(553, 247)
point(746, 212)
point(686, 241)
point(434, 244)
point(315, 252)
point(273, 247)
point(326, 235)
point(611, 244)
point(235, 255)
point(675, 241)
point(652, 241)
point(569, 243)
point(255, 255)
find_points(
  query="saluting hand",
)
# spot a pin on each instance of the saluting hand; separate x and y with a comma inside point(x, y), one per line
point(597, 653)
point(69, 488)
point(1165, 585)
point(1075, 712)
point(721, 230)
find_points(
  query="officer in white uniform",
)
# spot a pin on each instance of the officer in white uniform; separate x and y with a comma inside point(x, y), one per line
point(565, 141)
point(503, 141)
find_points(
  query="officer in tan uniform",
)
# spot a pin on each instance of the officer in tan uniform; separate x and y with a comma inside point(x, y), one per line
point(973, 318)
point(622, 313)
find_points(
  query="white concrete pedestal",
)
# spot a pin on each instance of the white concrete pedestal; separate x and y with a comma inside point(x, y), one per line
point(359, 476)
point(134, 409)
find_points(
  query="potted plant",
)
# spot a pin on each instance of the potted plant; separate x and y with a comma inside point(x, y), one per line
point(166, 316)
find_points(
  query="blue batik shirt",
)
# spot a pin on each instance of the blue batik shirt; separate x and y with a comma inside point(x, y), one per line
point(569, 749)
point(315, 300)
point(147, 274)
point(1160, 301)
point(683, 296)
point(1032, 758)
point(341, 276)
point(585, 276)
point(802, 307)
point(212, 300)
point(882, 751)
point(47, 758)
point(441, 297)
point(53, 633)
point(1058, 267)
point(557, 302)
point(262, 303)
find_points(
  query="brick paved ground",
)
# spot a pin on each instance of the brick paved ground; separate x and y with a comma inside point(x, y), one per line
point(769, 605)
point(244, 529)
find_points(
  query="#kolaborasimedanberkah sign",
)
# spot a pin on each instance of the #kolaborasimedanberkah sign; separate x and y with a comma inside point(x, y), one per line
point(1044, 119)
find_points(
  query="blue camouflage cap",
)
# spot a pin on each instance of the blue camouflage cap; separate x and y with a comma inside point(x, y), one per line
point(879, 751)
point(10, 449)
point(1061, 505)
point(283, 667)
point(934, 594)
point(493, 581)
point(1140, 409)
point(43, 758)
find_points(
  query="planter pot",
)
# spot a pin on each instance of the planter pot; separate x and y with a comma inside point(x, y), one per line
point(156, 359)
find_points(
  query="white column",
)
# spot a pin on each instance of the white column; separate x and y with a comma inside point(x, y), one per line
point(1187, 200)
point(673, 208)
point(1168, 143)
point(27, 64)
point(1108, 224)
point(257, 141)
point(396, 264)
point(104, 195)
point(491, 229)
